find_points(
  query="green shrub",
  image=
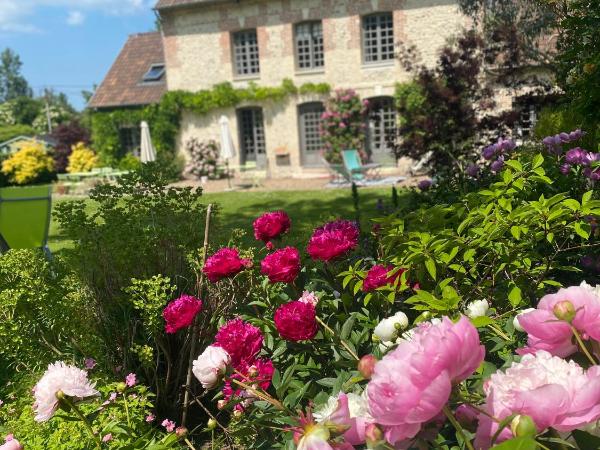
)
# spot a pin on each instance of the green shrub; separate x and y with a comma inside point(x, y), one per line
point(44, 313)
point(11, 131)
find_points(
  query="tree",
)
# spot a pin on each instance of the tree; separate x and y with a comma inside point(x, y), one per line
point(12, 83)
point(67, 135)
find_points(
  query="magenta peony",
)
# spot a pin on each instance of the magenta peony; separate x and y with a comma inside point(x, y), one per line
point(553, 392)
point(555, 336)
point(296, 321)
point(180, 313)
point(411, 384)
point(377, 277)
point(333, 240)
point(70, 381)
point(271, 225)
point(225, 263)
point(210, 366)
point(257, 374)
point(241, 340)
point(282, 265)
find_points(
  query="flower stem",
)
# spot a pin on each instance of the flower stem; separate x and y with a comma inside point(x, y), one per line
point(584, 349)
point(79, 414)
point(457, 426)
point(344, 344)
point(127, 410)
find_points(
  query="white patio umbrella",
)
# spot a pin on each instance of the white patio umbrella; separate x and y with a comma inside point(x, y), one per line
point(227, 148)
point(147, 152)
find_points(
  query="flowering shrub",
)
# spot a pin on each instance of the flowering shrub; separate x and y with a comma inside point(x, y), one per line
point(343, 125)
point(203, 158)
point(82, 159)
point(30, 164)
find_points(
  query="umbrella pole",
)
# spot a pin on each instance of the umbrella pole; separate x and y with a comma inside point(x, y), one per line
point(228, 174)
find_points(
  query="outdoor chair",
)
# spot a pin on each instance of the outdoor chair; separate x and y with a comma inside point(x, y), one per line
point(25, 217)
point(337, 172)
point(357, 170)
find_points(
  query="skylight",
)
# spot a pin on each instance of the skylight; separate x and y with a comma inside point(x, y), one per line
point(155, 73)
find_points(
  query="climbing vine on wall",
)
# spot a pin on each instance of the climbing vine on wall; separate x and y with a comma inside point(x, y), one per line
point(164, 117)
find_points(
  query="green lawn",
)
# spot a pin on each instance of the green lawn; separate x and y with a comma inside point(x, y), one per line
point(307, 210)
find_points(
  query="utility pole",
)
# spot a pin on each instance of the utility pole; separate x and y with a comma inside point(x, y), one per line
point(48, 112)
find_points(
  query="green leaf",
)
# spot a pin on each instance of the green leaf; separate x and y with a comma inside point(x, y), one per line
point(520, 443)
point(572, 204)
point(582, 230)
point(515, 296)
point(347, 327)
point(430, 266)
point(482, 321)
point(586, 440)
point(586, 197)
point(516, 232)
point(538, 160)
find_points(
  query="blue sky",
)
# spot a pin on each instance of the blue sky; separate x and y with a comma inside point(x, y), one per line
point(69, 45)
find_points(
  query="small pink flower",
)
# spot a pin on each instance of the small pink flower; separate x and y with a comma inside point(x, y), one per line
point(89, 363)
point(271, 225)
point(11, 443)
point(225, 263)
point(240, 339)
point(210, 366)
point(310, 298)
point(169, 425)
point(296, 321)
point(283, 265)
point(107, 437)
point(131, 380)
point(180, 313)
point(112, 397)
point(150, 418)
point(333, 240)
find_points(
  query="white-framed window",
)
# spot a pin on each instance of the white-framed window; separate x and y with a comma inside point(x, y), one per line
point(246, 59)
point(309, 45)
point(378, 37)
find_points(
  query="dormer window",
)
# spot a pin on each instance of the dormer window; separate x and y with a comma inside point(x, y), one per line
point(154, 74)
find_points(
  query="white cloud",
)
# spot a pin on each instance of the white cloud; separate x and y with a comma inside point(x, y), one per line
point(15, 15)
point(75, 18)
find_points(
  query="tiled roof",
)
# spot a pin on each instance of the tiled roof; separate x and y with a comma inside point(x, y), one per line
point(168, 4)
point(123, 84)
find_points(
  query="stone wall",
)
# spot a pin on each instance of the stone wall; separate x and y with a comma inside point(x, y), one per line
point(198, 53)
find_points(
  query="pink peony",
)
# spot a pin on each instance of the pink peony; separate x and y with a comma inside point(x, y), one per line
point(11, 444)
point(548, 333)
point(150, 418)
point(349, 411)
point(333, 240)
point(210, 366)
point(241, 340)
point(169, 425)
point(411, 384)
point(282, 266)
point(553, 392)
point(309, 297)
point(131, 380)
point(256, 374)
point(225, 263)
point(296, 321)
point(59, 377)
point(180, 313)
point(378, 277)
point(107, 437)
point(271, 225)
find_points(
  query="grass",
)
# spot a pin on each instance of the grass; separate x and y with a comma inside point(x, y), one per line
point(307, 209)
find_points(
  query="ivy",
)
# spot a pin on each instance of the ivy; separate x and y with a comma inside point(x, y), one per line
point(164, 117)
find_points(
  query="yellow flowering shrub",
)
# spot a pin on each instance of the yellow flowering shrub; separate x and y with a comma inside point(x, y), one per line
point(82, 159)
point(29, 164)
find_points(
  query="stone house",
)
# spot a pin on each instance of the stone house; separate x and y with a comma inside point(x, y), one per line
point(344, 43)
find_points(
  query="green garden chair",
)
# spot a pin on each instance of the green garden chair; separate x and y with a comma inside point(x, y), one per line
point(25, 217)
point(357, 170)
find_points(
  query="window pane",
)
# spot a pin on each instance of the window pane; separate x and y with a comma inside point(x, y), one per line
point(378, 37)
point(245, 53)
point(155, 73)
point(310, 127)
point(309, 45)
point(252, 132)
point(382, 122)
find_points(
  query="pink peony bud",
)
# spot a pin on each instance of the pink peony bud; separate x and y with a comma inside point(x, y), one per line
point(181, 432)
point(366, 366)
point(221, 404)
point(373, 435)
point(522, 426)
point(564, 311)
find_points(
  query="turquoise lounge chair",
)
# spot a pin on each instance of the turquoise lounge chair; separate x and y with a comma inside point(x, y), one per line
point(25, 217)
point(357, 170)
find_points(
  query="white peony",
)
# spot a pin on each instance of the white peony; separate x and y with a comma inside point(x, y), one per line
point(326, 411)
point(210, 365)
point(389, 327)
point(593, 289)
point(516, 323)
point(478, 308)
point(69, 380)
